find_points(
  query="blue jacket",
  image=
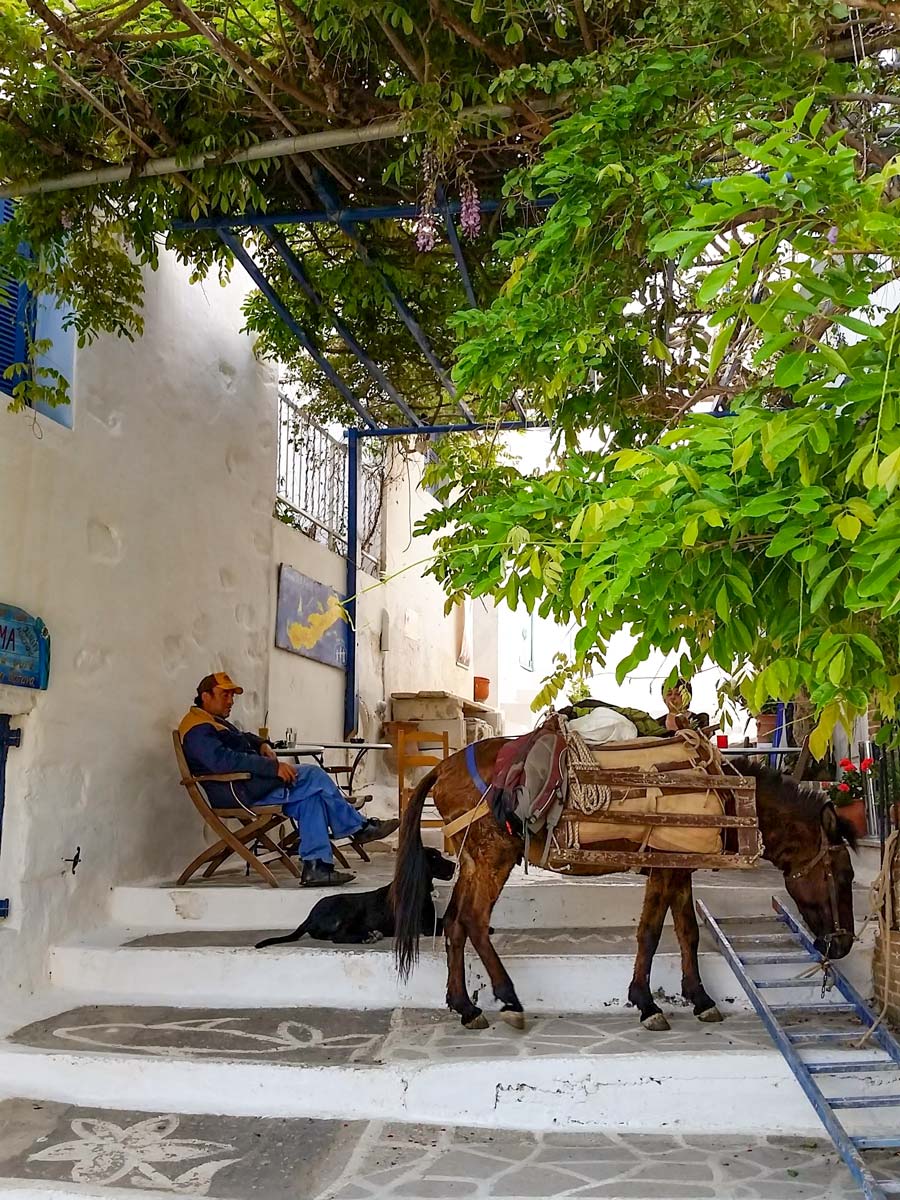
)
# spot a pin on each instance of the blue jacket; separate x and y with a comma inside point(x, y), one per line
point(213, 746)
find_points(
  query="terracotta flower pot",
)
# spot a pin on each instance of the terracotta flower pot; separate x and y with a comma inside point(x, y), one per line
point(482, 688)
point(855, 813)
point(765, 726)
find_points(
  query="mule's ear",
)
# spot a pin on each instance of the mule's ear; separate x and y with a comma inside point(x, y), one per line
point(837, 828)
point(848, 832)
point(829, 819)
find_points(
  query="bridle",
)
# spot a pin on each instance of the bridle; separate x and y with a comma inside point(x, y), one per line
point(826, 850)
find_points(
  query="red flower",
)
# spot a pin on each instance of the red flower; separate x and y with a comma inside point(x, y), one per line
point(843, 787)
point(847, 764)
point(866, 764)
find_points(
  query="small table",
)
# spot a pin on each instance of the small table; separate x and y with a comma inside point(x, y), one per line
point(318, 753)
point(748, 751)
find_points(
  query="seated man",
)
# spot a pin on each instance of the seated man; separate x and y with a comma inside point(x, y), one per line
point(307, 793)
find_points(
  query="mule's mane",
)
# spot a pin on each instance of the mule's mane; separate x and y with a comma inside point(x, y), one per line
point(804, 802)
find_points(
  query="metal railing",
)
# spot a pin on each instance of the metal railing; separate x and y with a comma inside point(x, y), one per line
point(311, 487)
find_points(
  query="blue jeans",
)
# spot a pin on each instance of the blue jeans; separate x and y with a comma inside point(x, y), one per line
point(318, 805)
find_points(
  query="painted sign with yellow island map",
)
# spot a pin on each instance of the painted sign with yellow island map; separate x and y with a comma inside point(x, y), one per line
point(310, 619)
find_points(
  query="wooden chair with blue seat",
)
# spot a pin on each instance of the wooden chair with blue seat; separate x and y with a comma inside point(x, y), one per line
point(255, 825)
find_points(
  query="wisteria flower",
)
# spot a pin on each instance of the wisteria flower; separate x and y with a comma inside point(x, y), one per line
point(470, 210)
point(426, 230)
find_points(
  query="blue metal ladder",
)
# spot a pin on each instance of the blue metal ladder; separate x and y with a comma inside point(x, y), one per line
point(788, 944)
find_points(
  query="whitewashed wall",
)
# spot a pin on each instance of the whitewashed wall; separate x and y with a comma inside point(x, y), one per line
point(143, 537)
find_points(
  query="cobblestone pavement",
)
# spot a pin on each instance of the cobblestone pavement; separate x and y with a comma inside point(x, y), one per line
point(233, 1158)
point(327, 1037)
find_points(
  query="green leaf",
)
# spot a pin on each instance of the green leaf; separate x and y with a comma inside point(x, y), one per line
point(719, 346)
point(822, 588)
point(870, 647)
point(691, 529)
point(875, 581)
point(722, 606)
point(848, 526)
point(742, 454)
point(715, 281)
point(790, 370)
point(836, 668)
point(676, 239)
point(889, 471)
point(857, 326)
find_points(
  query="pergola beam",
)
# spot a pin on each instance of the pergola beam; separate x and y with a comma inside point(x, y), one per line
point(324, 139)
point(295, 267)
point(399, 305)
point(239, 251)
point(354, 216)
point(456, 247)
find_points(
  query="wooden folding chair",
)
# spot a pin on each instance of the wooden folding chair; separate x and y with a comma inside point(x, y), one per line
point(255, 826)
point(410, 743)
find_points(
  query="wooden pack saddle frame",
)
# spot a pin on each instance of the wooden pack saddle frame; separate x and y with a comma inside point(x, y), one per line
point(744, 820)
point(622, 781)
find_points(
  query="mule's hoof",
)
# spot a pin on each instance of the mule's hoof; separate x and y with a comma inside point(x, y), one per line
point(513, 1018)
point(657, 1023)
point(479, 1022)
point(710, 1015)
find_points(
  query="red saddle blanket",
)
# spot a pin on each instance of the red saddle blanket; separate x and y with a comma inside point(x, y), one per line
point(529, 778)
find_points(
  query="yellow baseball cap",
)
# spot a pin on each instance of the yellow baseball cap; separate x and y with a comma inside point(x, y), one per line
point(220, 679)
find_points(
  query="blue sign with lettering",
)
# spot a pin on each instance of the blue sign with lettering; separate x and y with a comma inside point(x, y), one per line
point(24, 649)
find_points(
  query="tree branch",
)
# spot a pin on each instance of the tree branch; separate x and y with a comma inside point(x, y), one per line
point(587, 35)
point(109, 62)
point(98, 104)
point(401, 51)
point(228, 51)
point(317, 68)
point(867, 98)
point(133, 137)
point(133, 10)
point(449, 20)
point(846, 48)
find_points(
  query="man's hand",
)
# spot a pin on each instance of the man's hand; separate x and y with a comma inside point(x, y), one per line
point(286, 773)
point(266, 751)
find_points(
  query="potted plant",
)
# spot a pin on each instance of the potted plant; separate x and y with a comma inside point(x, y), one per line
point(849, 793)
point(766, 720)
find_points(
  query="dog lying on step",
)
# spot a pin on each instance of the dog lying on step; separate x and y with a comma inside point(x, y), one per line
point(357, 918)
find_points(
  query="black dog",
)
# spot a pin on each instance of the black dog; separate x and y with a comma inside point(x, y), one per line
point(365, 916)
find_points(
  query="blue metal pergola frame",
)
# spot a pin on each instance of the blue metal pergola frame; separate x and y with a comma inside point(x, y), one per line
point(347, 219)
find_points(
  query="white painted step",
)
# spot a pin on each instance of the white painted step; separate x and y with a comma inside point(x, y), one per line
point(538, 900)
point(551, 969)
point(584, 1072)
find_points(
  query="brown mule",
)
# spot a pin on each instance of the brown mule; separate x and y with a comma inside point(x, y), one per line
point(804, 838)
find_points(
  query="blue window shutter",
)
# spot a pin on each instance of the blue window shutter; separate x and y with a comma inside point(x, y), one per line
point(15, 314)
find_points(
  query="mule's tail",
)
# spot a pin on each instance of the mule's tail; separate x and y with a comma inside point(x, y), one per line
point(281, 941)
point(412, 880)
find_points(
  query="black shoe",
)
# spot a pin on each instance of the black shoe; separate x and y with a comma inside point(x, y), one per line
point(322, 874)
point(375, 831)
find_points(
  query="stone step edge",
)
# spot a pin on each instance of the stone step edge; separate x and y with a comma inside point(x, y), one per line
point(683, 1092)
point(219, 977)
point(61, 1189)
point(547, 906)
